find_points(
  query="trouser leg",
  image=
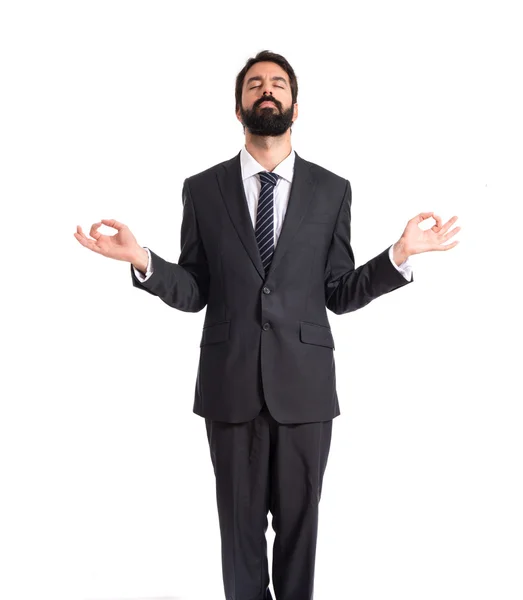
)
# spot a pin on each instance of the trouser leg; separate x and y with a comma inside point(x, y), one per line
point(240, 457)
point(299, 461)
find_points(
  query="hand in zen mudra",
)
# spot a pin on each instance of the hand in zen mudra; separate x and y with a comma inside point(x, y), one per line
point(121, 246)
point(415, 240)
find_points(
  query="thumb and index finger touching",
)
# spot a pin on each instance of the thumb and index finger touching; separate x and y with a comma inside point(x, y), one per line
point(95, 234)
point(438, 226)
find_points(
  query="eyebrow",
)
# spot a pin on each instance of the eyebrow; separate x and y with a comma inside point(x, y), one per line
point(260, 78)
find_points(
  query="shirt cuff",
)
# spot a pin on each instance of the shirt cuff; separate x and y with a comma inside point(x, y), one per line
point(139, 275)
point(405, 268)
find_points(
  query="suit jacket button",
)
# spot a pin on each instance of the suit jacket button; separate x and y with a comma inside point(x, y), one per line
point(266, 326)
point(266, 290)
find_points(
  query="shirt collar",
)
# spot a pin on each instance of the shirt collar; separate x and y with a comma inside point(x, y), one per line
point(250, 166)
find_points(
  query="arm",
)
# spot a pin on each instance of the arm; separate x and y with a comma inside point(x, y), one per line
point(348, 288)
point(183, 285)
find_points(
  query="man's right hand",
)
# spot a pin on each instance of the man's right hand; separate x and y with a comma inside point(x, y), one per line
point(122, 246)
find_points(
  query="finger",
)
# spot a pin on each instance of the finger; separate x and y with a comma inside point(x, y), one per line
point(113, 223)
point(448, 224)
point(91, 244)
point(94, 230)
point(422, 217)
point(79, 229)
point(451, 233)
point(448, 246)
point(81, 238)
point(436, 227)
point(81, 233)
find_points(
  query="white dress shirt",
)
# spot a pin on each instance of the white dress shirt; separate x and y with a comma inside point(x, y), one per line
point(252, 185)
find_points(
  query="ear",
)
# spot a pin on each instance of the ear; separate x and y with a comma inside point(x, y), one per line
point(295, 115)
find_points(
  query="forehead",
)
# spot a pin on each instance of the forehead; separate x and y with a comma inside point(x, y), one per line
point(265, 70)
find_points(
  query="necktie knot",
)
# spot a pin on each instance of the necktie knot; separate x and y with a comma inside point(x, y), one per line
point(268, 178)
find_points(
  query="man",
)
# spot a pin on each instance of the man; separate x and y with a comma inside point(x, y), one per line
point(265, 246)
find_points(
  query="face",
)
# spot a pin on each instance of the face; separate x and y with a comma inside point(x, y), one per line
point(266, 107)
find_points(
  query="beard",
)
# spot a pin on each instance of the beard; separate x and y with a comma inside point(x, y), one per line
point(267, 121)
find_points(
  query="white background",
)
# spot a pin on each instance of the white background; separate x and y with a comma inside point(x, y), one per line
point(107, 487)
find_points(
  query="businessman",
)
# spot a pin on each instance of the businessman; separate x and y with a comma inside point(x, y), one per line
point(265, 246)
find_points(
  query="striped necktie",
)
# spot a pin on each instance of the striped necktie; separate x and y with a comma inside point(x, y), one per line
point(265, 218)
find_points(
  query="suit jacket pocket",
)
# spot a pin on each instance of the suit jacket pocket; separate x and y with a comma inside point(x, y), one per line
point(311, 333)
point(212, 334)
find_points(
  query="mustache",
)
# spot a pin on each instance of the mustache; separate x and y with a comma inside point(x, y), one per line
point(262, 100)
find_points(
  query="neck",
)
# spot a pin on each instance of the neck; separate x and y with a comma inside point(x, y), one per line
point(269, 151)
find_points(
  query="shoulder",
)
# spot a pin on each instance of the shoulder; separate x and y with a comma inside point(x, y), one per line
point(211, 172)
point(324, 176)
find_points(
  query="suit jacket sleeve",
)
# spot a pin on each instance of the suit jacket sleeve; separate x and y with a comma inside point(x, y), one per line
point(183, 285)
point(348, 288)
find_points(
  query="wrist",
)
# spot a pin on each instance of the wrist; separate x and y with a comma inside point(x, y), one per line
point(400, 252)
point(141, 260)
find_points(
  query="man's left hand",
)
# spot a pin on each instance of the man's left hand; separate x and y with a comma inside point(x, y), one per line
point(415, 240)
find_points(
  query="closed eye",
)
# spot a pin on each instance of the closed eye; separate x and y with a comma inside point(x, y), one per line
point(279, 86)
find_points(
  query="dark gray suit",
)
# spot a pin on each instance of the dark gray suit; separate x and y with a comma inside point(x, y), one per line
point(271, 329)
point(266, 382)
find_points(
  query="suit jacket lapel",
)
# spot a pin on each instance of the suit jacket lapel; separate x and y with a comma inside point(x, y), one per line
point(301, 195)
point(233, 193)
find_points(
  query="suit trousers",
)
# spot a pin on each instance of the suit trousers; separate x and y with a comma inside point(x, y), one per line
point(260, 466)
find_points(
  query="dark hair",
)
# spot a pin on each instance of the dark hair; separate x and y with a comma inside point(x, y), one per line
point(266, 55)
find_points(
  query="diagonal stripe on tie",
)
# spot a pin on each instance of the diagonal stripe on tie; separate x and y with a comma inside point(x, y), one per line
point(263, 223)
point(265, 217)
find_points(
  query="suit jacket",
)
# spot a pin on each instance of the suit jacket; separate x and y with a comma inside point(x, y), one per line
point(266, 336)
